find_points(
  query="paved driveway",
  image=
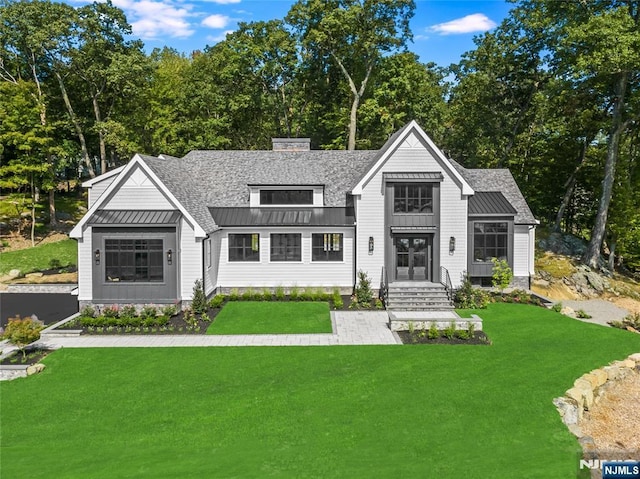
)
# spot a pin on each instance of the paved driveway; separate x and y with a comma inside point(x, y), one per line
point(48, 307)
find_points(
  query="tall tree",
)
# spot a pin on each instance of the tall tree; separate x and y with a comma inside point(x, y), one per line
point(355, 34)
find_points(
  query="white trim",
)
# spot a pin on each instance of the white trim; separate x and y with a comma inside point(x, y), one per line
point(98, 179)
point(413, 126)
point(77, 231)
point(312, 261)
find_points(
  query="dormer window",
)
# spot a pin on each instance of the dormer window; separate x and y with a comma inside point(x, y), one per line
point(286, 197)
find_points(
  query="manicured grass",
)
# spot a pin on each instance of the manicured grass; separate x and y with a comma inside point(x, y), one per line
point(371, 411)
point(40, 257)
point(254, 317)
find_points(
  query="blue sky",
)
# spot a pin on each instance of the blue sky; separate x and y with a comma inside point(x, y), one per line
point(443, 29)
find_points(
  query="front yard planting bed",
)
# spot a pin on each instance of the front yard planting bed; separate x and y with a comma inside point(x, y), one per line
point(417, 337)
point(32, 355)
point(252, 317)
point(331, 412)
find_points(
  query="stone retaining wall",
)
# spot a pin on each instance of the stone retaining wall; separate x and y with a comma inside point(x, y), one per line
point(422, 323)
point(588, 390)
point(42, 288)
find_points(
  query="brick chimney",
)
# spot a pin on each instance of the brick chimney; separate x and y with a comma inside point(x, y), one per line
point(291, 144)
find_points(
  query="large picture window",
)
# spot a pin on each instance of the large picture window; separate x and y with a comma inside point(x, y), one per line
point(413, 198)
point(244, 247)
point(286, 247)
point(490, 240)
point(133, 260)
point(326, 247)
point(286, 197)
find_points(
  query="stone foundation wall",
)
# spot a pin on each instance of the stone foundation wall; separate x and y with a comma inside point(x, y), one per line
point(521, 282)
point(588, 390)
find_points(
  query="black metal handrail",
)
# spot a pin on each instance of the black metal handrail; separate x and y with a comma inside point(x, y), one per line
point(445, 280)
point(383, 292)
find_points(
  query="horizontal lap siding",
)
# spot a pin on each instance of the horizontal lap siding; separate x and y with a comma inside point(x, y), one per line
point(85, 266)
point(521, 251)
point(98, 188)
point(190, 260)
point(272, 274)
point(370, 213)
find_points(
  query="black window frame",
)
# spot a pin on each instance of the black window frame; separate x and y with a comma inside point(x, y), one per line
point(286, 197)
point(494, 240)
point(288, 251)
point(327, 247)
point(407, 195)
point(134, 260)
point(243, 247)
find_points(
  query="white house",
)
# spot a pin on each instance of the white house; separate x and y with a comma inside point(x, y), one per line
point(297, 217)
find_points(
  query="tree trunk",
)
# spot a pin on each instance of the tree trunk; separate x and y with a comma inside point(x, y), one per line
point(33, 213)
point(76, 124)
point(592, 254)
point(569, 187)
point(612, 254)
point(53, 222)
point(103, 147)
point(353, 122)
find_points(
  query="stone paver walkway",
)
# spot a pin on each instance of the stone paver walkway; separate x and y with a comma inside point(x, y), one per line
point(349, 328)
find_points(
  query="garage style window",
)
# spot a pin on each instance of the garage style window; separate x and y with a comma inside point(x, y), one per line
point(286, 247)
point(286, 197)
point(490, 240)
point(244, 247)
point(134, 260)
point(412, 198)
point(326, 247)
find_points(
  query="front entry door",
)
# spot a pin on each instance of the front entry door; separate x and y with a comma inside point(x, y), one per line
point(413, 258)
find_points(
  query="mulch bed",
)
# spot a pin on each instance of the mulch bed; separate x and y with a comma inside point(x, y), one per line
point(33, 356)
point(479, 337)
point(177, 324)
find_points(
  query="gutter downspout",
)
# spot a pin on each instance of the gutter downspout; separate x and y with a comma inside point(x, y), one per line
point(204, 262)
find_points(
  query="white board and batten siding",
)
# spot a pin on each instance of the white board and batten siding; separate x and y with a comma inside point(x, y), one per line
point(268, 274)
point(412, 156)
point(140, 193)
point(523, 248)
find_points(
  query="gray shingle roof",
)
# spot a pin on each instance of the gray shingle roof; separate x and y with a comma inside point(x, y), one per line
point(218, 178)
point(499, 180)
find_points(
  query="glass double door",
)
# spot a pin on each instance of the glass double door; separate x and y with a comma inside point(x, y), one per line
point(413, 258)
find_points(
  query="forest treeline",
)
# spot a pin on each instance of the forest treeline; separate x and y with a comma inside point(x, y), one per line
point(551, 93)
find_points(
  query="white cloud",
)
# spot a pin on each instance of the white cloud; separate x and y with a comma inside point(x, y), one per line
point(219, 38)
point(222, 2)
point(477, 22)
point(216, 21)
point(152, 19)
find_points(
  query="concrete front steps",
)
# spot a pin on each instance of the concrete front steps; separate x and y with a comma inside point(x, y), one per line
point(416, 296)
point(416, 320)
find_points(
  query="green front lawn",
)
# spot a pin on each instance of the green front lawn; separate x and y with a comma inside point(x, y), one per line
point(43, 257)
point(254, 317)
point(432, 411)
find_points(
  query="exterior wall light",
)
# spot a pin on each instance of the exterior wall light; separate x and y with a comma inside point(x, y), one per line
point(452, 245)
point(169, 257)
point(96, 256)
point(370, 244)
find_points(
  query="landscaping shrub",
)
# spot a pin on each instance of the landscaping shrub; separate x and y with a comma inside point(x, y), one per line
point(294, 294)
point(557, 307)
point(199, 300)
point(336, 299)
point(128, 311)
point(582, 314)
point(169, 310)
point(307, 294)
point(450, 331)
point(111, 312)
point(363, 294)
point(23, 331)
point(433, 332)
point(266, 294)
point(88, 312)
point(217, 301)
point(630, 321)
point(280, 293)
point(502, 274)
point(247, 295)
point(468, 297)
point(234, 295)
